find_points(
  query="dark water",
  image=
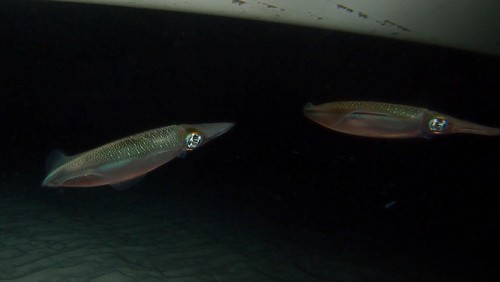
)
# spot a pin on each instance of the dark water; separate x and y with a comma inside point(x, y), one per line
point(78, 76)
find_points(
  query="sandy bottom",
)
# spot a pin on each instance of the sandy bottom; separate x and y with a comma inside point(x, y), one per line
point(103, 235)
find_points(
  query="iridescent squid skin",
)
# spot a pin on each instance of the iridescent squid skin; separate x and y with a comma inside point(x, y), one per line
point(123, 162)
point(385, 120)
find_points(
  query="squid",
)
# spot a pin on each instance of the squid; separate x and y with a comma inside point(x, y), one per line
point(385, 120)
point(124, 162)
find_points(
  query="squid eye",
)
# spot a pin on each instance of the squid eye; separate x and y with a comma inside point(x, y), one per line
point(193, 140)
point(438, 125)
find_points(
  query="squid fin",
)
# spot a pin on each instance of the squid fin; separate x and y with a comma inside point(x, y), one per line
point(55, 159)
